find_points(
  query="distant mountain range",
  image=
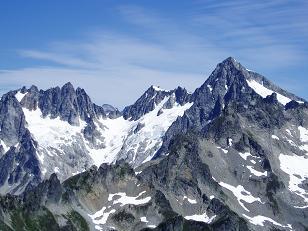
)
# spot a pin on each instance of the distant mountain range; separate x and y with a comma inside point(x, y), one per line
point(232, 155)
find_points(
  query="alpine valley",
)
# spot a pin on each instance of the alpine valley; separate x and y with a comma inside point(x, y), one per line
point(232, 155)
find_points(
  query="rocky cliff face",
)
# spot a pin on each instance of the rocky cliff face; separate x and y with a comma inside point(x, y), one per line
point(230, 156)
point(230, 82)
point(108, 198)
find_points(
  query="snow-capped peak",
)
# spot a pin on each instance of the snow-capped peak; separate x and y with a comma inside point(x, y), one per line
point(158, 88)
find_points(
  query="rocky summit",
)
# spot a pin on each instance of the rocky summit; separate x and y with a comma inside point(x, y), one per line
point(232, 155)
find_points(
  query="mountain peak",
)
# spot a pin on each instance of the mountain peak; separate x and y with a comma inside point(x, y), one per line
point(68, 86)
point(230, 59)
point(231, 78)
point(231, 63)
point(225, 73)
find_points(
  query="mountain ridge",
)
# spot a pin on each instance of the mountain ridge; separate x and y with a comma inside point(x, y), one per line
point(74, 105)
point(226, 145)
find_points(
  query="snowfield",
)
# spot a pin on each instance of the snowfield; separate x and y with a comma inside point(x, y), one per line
point(263, 91)
point(142, 144)
point(296, 167)
point(118, 137)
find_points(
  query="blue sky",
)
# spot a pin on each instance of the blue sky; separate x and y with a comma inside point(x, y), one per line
point(117, 49)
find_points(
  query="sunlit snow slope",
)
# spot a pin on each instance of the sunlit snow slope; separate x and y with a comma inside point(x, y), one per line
point(62, 147)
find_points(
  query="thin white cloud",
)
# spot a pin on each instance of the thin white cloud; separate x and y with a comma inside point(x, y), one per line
point(56, 58)
point(116, 67)
point(266, 19)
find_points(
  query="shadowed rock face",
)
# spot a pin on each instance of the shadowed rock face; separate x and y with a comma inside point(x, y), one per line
point(20, 152)
point(18, 162)
point(234, 158)
point(86, 193)
point(227, 84)
point(12, 120)
point(66, 102)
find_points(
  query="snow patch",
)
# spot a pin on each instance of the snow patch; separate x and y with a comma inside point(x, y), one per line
point(191, 201)
point(292, 143)
point(201, 217)
point(289, 132)
point(304, 138)
point(244, 155)
point(78, 172)
point(241, 194)
point(144, 219)
point(4, 146)
point(295, 166)
point(128, 200)
point(259, 220)
point(101, 217)
point(224, 150)
point(275, 137)
point(255, 172)
point(230, 141)
point(44, 170)
point(264, 92)
point(210, 88)
point(19, 96)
